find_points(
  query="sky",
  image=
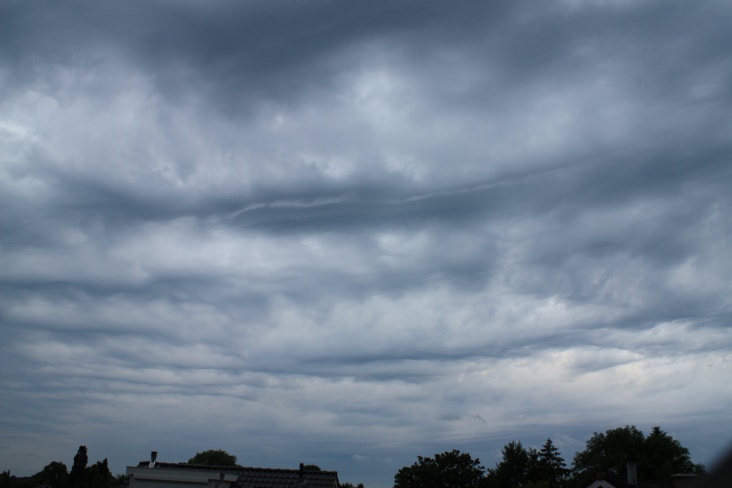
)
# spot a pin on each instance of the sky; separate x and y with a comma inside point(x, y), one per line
point(351, 233)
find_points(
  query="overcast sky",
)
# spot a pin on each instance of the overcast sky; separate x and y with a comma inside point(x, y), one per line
point(351, 233)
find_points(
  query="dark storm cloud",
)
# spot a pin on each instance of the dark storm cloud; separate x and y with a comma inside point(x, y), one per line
point(386, 227)
point(241, 49)
point(287, 50)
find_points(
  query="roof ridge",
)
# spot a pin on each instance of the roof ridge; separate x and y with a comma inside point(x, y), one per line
point(184, 465)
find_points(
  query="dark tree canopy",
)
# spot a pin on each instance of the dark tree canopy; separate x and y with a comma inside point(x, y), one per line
point(78, 475)
point(99, 475)
point(213, 457)
point(552, 467)
point(513, 470)
point(606, 453)
point(663, 456)
point(659, 455)
point(55, 475)
point(451, 469)
point(521, 467)
point(533, 473)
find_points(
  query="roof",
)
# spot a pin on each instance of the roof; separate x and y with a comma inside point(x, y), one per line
point(259, 477)
point(600, 484)
point(283, 478)
point(611, 480)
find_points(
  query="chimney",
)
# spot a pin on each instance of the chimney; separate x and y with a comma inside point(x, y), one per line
point(153, 457)
point(632, 470)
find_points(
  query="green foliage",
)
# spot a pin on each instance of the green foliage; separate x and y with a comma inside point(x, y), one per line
point(118, 480)
point(9, 481)
point(213, 457)
point(99, 475)
point(81, 476)
point(606, 453)
point(6, 481)
point(78, 476)
point(513, 470)
point(551, 465)
point(451, 469)
point(662, 456)
point(521, 467)
point(659, 455)
point(55, 474)
point(350, 485)
point(533, 473)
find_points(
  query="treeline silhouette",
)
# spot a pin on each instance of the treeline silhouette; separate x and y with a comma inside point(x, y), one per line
point(657, 457)
point(56, 475)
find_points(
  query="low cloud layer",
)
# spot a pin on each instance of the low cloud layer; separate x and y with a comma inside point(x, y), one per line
point(351, 234)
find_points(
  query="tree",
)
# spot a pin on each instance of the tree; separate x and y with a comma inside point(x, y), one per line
point(55, 474)
point(551, 464)
point(350, 485)
point(659, 455)
point(5, 479)
point(118, 480)
point(213, 458)
point(606, 453)
point(99, 475)
point(451, 469)
point(512, 470)
point(78, 475)
point(662, 456)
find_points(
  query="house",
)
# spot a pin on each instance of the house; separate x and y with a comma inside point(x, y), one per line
point(612, 481)
point(152, 474)
point(603, 483)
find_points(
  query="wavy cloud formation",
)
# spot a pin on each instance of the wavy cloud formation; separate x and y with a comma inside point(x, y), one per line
point(349, 234)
